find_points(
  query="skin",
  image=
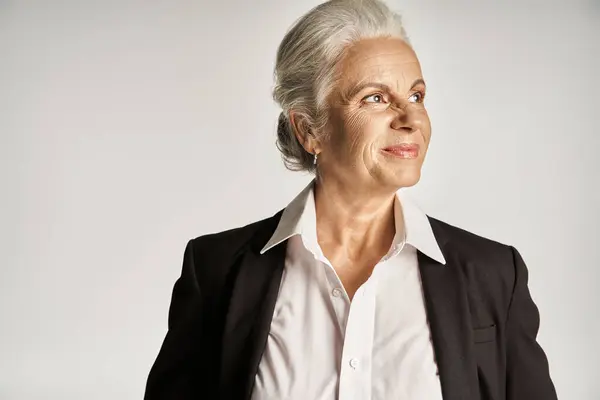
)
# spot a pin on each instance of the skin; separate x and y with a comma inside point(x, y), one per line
point(356, 182)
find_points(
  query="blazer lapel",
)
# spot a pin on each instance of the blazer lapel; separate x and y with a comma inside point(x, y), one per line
point(449, 319)
point(247, 323)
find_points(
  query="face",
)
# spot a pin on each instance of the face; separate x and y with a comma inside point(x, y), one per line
point(378, 131)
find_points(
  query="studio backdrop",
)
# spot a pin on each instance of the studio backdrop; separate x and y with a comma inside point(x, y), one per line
point(127, 128)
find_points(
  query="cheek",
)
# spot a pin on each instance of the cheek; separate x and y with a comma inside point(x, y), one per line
point(355, 133)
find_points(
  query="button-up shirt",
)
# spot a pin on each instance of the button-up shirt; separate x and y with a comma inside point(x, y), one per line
point(324, 346)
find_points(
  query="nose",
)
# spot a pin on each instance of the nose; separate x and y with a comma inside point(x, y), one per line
point(406, 119)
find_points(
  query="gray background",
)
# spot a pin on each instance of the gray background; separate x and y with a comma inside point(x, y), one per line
point(128, 128)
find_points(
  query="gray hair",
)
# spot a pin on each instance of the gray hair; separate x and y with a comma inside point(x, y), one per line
point(306, 60)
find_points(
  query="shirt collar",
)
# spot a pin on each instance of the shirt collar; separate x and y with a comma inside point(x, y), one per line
point(412, 224)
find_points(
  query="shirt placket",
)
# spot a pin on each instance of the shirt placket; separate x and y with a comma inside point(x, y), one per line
point(355, 367)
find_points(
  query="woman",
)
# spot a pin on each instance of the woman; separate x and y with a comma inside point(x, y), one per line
point(351, 291)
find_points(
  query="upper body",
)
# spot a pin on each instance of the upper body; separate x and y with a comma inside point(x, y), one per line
point(351, 291)
point(483, 322)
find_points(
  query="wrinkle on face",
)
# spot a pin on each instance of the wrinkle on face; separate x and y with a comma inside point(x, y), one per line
point(359, 129)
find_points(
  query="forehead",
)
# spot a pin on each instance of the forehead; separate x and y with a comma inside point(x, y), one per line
point(386, 60)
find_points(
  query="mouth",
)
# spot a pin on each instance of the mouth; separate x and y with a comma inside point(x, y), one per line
point(404, 150)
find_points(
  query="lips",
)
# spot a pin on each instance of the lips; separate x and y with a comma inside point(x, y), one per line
point(403, 150)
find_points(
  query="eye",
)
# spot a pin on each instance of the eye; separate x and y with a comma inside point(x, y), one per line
point(376, 98)
point(418, 96)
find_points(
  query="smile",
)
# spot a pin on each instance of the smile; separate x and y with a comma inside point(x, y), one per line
point(405, 150)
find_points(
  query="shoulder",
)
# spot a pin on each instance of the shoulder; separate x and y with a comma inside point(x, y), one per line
point(209, 258)
point(488, 267)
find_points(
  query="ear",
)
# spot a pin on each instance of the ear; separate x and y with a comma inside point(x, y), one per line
point(303, 133)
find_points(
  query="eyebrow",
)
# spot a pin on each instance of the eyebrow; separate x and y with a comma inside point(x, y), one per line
point(359, 87)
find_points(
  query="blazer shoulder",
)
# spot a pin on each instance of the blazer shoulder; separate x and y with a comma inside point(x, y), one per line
point(489, 263)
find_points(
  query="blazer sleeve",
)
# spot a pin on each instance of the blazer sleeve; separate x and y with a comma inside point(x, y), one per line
point(172, 375)
point(527, 370)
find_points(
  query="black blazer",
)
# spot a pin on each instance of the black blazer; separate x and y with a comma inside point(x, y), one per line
point(482, 318)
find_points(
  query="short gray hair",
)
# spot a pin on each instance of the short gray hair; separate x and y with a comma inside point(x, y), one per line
point(305, 65)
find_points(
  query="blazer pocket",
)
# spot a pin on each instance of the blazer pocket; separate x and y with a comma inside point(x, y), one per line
point(484, 335)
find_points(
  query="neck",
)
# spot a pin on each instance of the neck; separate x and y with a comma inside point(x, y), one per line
point(358, 221)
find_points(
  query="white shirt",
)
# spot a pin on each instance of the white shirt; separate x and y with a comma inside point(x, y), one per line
point(322, 346)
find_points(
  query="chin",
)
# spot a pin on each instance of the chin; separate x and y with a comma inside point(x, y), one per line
point(406, 179)
point(408, 183)
point(396, 178)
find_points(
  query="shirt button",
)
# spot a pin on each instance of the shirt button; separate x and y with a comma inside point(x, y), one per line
point(336, 292)
point(354, 363)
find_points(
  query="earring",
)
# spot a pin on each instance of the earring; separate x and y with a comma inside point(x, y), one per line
point(315, 159)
